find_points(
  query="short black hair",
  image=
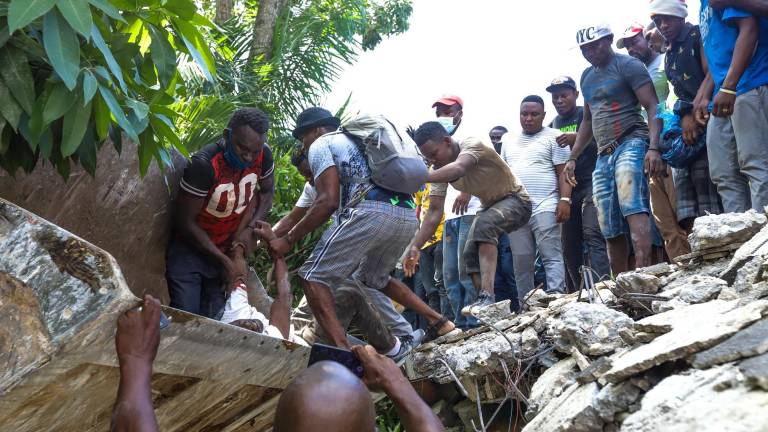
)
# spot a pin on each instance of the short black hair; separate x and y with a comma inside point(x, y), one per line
point(430, 130)
point(298, 156)
point(501, 128)
point(251, 117)
point(533, 98)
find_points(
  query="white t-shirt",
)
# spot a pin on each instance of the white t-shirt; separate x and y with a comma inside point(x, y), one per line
point(450, 196)
point(308, 196)
point(532, 158)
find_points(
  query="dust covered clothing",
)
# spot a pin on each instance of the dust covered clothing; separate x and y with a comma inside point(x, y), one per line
point(369, 232)
point(506, 205)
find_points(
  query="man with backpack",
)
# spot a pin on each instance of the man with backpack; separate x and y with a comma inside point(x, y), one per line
point(370, 228)
point(472, 167)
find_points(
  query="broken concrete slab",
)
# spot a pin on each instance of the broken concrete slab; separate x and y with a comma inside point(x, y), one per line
point(714, 231)
point(594, 371)
point(592, 328)
point(495, 312)
point(755, 370)
point(570, 412)
point(704, 400)
point(637, 282)
point(749, 342)
point(616, 398)
point(529, 340)
point(690, 330)
point(700, 289)
point(550, 384)
point(757, 245)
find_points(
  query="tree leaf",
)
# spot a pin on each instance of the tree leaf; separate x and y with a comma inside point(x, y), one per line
point(78, 15)
point(36, 125)
point(90, 85)
point(197, 46)
point(59, 102)
point(101, 118)
point(23, 12)
point(162, 129)
point(184, 9)
point(146, 150)
point(163, 55)
point(108, 9)
point(4, 34)
point(116, 136)
point(18, 77)
point(4, 143)
point(139, 108)
point(98, 40)
point(86, 153)
point(46, 143)
point(9, 108)
point(75, 124)
point(62, 46)
point(117, 112)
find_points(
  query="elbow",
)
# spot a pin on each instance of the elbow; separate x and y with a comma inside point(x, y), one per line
point(327, 206)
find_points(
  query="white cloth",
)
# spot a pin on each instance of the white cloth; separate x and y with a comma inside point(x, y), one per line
point(308, 196)
point(238, 308)
point(450, 196)
point(532, 158)
point(676, 8)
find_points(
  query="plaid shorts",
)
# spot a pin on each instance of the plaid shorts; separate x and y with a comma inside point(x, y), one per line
point(621, 187)
point(696, 194)
point(363, 243)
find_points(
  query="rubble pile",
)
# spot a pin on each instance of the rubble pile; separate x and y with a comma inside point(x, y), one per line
point(678, 347)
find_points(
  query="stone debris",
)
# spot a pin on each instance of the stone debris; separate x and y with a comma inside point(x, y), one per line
point(668, 347)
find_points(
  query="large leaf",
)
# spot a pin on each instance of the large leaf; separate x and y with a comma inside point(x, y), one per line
point(75, 124)
point(62, 46)
point(101, 118)
point(117, 112)
point(9, 108)
point(4, 34)
point(98, 40)
point(15, 71)
point(86, 153)
point(163, 55)
point(59, 102)
point(23, 12)
point(78, 15)
point(3, 142)
point(198, 47)
point(90, 85)
point(108, 9)
point(164, 129)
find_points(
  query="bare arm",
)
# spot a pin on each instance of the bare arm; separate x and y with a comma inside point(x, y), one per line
point(185, 212)
point(290, 220)
point(266, 195)
point(563, 210)
point(704, 94)
point(428, 227)
point(583, 137)
point(757, 7)
point(280, 312)
point(452, 171)
point(654, 164)
point(743, 52)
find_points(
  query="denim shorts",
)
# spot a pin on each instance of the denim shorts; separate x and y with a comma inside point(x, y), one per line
point(620, 187)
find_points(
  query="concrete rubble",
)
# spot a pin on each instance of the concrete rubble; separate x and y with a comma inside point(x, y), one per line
point(672, 347)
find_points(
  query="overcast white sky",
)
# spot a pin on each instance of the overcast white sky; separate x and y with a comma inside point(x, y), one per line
point(491, 53)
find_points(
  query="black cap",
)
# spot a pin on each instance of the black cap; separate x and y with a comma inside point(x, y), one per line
point(562, 81)
point(314, 117)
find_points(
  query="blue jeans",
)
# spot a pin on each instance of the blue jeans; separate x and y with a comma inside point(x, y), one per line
point(461, 291)
point(431, 274)
point(504, 285)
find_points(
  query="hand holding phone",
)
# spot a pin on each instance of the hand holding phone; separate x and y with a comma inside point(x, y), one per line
point(322, 352)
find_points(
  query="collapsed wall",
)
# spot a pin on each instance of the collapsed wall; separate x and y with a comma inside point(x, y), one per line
point(680, 347)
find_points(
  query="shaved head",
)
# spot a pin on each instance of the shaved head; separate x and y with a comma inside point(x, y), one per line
point(325, 397)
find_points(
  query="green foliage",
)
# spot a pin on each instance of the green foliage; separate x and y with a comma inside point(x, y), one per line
point(387, 419)
point(77, 71)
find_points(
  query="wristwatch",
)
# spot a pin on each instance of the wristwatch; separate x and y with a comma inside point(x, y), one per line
point(566, 199)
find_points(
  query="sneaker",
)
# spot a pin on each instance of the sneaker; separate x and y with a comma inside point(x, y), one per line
point(418, 337)
point(483, 300)
point(407, 345)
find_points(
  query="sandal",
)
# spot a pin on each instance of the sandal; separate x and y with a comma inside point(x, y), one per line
point(434, 328)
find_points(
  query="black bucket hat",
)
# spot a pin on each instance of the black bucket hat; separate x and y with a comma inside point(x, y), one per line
point(314, 117)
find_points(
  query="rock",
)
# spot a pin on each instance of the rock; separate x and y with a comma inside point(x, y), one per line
point(444, 411)
point(594, 371)
point(658, 270)
point(550, 384)
point(749, 342)
point(690, 330)
point(690, 402)
point(592, 328)
point(701, 289)
point(748, 282)
point(529, 341)
point(615, 398)
point(495, 312)
point(757, 245)
point(571, 412)
point(636, 282)
point(581, 361)
point(755, 370)
point(540, 298)
point(714, 231)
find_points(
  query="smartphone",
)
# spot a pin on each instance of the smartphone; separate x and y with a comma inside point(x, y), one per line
point(322, 352)
point(164, 320)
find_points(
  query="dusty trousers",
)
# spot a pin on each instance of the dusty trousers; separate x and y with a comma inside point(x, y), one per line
point(663, 208)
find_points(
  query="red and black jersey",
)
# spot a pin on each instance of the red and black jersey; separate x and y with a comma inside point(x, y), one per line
point(227, 191)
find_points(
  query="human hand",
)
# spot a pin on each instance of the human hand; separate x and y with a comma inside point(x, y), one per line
point(411, 260)
point(570, 172)
point(461, 204)
point(566, 140)
point(691, 130)
point(264, 231)
point(723, 104)
point(138, 333)
point(563, 211)
point(654, 165)
point(380, 373)
point(280, 246)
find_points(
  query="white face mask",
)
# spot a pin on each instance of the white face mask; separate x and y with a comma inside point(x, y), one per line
point(447, 123)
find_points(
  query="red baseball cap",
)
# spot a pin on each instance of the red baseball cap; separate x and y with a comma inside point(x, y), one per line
point(631, 31)
point(449, 100)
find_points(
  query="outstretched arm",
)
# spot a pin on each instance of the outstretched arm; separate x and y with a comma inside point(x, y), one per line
point(280, 312)
point(743, 51)
point(428, 227)
point(583, 137)
point(136, 340)
point(452, 171)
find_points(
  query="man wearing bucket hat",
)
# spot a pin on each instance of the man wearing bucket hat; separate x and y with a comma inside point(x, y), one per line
point(614, 88)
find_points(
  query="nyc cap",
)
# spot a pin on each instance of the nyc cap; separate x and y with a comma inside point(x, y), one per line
point(591, 34)
point(631, 31)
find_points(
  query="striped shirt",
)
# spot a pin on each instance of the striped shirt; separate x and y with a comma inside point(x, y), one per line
point(532, 158)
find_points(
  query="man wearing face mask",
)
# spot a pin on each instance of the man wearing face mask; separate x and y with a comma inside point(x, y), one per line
point(217, 202)
point(459, 209)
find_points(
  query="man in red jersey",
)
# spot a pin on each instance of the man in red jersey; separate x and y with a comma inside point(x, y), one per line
point(216, 203)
